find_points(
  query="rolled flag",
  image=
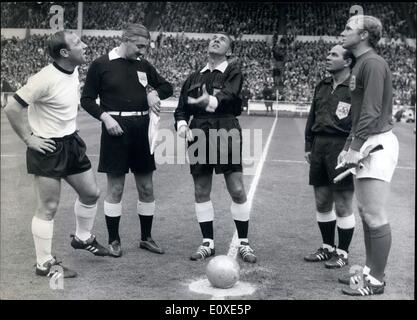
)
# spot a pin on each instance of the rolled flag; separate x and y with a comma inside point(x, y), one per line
point(153, 130)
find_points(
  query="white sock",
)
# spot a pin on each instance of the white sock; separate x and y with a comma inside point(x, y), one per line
point(328, 247)
point(373, 280)
point(204, 211)
point(325, 216)
point(240, 211)
point(342, 252)
point(366, 270)
point(243, 240)
point(112, 209)
point(210, 241)
point(346, 222)
point(84, 219)
point(145, 208)
point(42, 231)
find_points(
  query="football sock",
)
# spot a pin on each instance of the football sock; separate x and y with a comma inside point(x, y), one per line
point(373, 280)
point(367, 240)
point(240, 213)
point(345, 228)
point(205, 215)
point(327, 226)
point(145, 211)
point(84, 218)
point(112, 213)
point(42, 231)
point(242, 229)
point(366, 270)
point(381, 245)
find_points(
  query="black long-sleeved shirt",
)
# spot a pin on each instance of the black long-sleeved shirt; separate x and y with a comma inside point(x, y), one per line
point(226, 87)
point(330, 112)
point(116, 82)
point(371, 91)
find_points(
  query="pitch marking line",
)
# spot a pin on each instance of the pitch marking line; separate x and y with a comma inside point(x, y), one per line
point(240, 288)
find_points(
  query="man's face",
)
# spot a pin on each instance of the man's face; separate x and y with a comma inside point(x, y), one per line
point(219, 44)
point(76, 49)
point(334, 60)
point(136, 47)
point(351, 36)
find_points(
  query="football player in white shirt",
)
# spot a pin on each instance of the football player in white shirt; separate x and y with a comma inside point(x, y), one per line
point(54, 149)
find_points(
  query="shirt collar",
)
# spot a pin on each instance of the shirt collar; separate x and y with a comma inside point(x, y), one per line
point(221, 67)
point(113, 55)
point(56, 65)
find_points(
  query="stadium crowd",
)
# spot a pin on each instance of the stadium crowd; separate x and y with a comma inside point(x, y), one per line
point(175, 58)
point(202, 17)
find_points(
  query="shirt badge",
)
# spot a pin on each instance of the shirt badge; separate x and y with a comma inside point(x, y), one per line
point(143, 79)
point(352, 83)
point(342, 110)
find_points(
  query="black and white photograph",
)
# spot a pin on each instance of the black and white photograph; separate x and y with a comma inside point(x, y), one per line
point(222, 153)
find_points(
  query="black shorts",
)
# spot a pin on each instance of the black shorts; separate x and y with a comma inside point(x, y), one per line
point(68, 158)
point(323, 161)
point(223, 148)
point(131, 150)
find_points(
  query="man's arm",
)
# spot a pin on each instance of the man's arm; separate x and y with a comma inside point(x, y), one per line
point(230, 92)
point(181, 114)
point(157, 82)
point(91, 92)
point(308, 134)
point(88, 101)
point(14, 112)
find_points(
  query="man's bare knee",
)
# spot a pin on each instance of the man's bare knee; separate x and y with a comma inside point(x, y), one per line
point(146, 192)
point(238, 194)
point(91, 197)
point(47, 210)
point(115, 193)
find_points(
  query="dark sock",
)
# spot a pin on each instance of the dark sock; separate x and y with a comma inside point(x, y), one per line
point(367, 238)
point(113, 228)
point(207, 229)
point(145, 226)
point(381, 245)
point(345, 237)
point(328, 230)
point(242, 229)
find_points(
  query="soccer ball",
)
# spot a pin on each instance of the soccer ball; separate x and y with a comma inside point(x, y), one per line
point(223, 272)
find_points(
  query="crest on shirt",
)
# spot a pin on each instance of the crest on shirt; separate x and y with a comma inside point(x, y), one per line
point(352, 83)
point(342, 110)
point(143, 79)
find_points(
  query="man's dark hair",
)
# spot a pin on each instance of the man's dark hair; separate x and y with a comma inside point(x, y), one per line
point(349, 55)
point(56, 42)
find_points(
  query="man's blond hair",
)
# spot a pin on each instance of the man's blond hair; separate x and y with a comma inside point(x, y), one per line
point(370, 24)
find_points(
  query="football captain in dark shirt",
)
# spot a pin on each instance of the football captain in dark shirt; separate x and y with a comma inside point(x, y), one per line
point(211, 95)
point(327, 129)
point(371, 95)
point(129, 88)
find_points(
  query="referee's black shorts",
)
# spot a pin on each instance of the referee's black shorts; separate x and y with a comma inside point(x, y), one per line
point(68, 158)
point(222, 145)
point(323, 161)
point(131, 150)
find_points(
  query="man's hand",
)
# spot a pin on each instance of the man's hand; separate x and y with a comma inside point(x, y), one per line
point(307, 156)
point(202, 101)
point(341, 157)
point(185, 132)
point(112, 126)
point(40, 144)
point(154, 102)
point(351, 158)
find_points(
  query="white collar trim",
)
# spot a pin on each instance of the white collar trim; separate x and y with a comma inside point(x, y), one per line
point(221, 67)
point(113, 55)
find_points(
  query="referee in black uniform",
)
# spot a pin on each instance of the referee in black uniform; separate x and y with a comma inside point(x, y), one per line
point(129, 88)
point(211, 95)
point(328, 126)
